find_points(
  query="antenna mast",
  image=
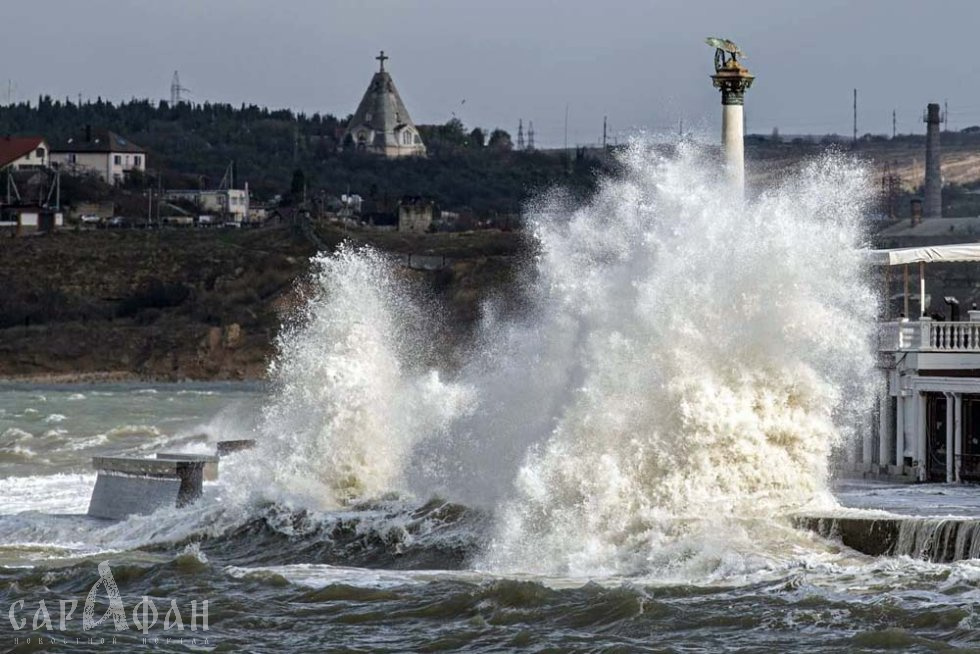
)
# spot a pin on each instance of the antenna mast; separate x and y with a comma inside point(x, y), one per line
point(176, 90)
point(855, 116)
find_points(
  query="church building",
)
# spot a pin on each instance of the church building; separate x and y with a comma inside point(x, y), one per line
point(381, 124)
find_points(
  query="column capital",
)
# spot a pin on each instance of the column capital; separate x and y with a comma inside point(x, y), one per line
point(732, 80)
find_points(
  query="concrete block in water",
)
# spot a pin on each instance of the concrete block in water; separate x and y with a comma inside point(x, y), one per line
point(128, 485)
point(228, 447)
point(210, 462)
point(117, 496)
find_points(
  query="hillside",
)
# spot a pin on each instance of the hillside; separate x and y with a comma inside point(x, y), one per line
point(903, 156)
point(194, 304)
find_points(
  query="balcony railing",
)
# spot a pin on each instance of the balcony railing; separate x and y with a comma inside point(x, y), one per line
point(929, 336)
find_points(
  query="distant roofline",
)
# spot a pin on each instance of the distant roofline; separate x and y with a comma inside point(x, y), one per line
point(102, 141)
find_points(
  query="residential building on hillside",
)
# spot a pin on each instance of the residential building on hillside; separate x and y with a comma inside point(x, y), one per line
point(415, 214)
point(23, 152)
point(233, 203)
point(110, 156)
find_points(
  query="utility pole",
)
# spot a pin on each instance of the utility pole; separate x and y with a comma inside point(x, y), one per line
point(530, 135)
point(946, 113)
point(603, 132)
point(855, 117)
point(566, 127)
point(894, 125)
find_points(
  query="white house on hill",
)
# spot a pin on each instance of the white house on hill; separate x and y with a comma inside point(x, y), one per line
point(102, 152)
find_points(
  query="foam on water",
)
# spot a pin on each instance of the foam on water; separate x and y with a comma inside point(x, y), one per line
point(686, 365)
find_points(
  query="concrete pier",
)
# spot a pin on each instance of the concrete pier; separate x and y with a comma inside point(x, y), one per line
point(225, 448)
point(210, 462)
point(130, 485)
point(935, 539)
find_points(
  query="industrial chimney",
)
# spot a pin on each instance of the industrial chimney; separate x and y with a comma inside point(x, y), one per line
point(933, 205)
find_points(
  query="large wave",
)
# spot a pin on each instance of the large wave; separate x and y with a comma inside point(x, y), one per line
point(685, 365)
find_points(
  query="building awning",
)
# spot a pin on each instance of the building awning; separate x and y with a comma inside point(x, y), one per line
point(926, 254)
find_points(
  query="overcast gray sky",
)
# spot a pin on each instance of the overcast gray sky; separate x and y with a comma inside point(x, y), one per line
point(642, 63)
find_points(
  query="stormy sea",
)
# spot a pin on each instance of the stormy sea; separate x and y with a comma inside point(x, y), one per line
point(614, 467)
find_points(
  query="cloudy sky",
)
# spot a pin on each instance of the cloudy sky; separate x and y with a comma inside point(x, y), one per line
point(642, 63)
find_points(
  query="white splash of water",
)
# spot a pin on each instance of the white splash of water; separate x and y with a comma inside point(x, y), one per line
point(720, 351)
point(351, 399)
point(686, 366)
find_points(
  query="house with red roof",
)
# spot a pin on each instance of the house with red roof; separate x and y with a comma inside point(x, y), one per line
point(23, 152)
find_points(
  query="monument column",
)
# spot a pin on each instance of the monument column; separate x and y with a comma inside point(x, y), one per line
point(732, 79)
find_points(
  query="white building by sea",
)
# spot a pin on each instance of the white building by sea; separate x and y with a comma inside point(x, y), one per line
point(929, 409)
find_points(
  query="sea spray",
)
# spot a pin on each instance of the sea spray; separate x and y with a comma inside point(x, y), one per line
point(685, 363)
point(350, 397)
point(720, 349)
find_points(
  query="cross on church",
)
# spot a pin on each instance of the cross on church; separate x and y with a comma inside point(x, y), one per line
point(381, 57)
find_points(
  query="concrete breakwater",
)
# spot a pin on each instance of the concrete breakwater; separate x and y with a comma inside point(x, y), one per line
point(935, 539)
point(129, 485)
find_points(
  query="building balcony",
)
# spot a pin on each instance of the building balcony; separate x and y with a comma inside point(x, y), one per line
point(926, 335)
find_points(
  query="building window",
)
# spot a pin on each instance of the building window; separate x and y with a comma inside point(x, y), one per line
point(136, 160)
point(39, 153)
point(72, 158)
point(117, 159)
point(406, 138)
point(418, 141)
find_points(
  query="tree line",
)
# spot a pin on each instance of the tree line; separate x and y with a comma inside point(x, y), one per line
point(190, 145)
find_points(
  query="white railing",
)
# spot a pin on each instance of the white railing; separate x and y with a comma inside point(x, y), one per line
point(954, 336)
point(929, 336)
point(894, 336)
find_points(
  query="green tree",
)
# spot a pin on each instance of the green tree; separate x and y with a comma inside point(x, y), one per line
point(500, 140)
